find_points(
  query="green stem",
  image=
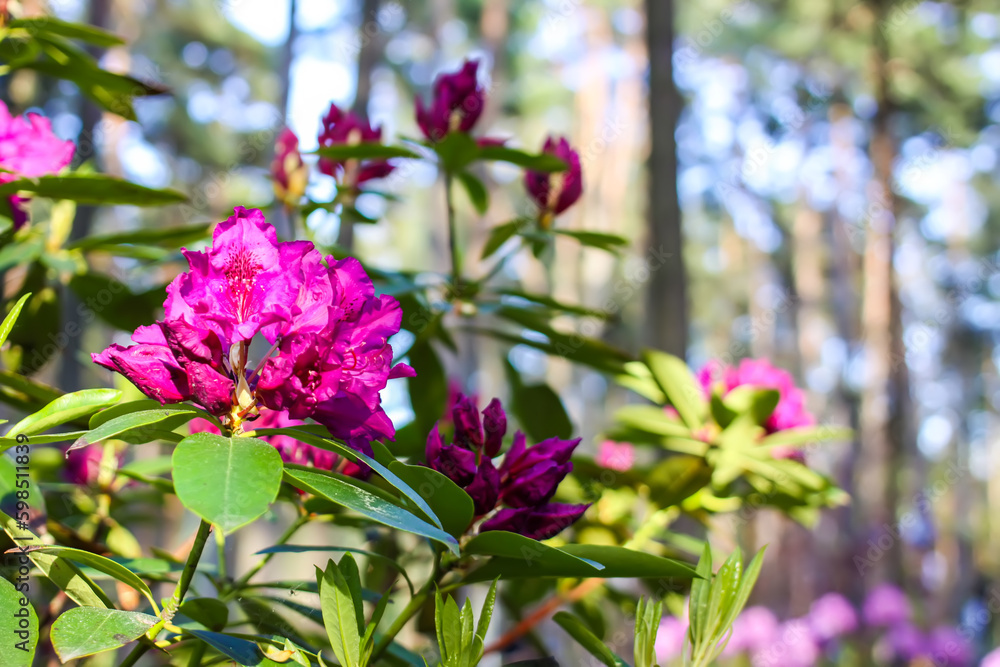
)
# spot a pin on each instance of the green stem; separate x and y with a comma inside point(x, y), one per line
point(411, 609)
point(220, 545)
point(197, 653)
point(136, 653)
point(187, 575)
point(287, 535)
point(456, 258)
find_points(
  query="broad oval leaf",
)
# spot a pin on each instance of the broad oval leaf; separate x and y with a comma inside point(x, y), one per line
point(66, 408)
point(18, 626)
point(85, 631)
point(228, 482)
point(367, 504)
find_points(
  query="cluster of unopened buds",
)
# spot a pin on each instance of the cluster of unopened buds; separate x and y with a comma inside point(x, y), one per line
point(456, 104)
point(516, 495)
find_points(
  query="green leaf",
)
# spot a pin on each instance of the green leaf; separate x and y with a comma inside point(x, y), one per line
point(529, 556)
point(540, 162)
point(555, 304)
point(680, 386)
point(366, 504)
point(50, 25)
point(677, 478)
point(363, 151)
point(349, 568)
point(721, 413)
point(578, 631)
point(101, 564)
point(11, 319)
point(123, 308)
point(241, 651)
point(85, 631)
point(136, 425)
point(70, 436)
point(746, 584)
point(63, 573)
point(449, 501)
point(701, 590)
point(651, 419)
point(474, 187)
point(608, 242)
point(456, 151)
point(209, 612)
point(66, 408)
point(96, 189)
point(805, 435)
point(360, 457)
point(228, 482)
point(18, 626)
point(500, 234)
point(623, 562)
point(339, 616)
point(169, 237)
point(486, 615)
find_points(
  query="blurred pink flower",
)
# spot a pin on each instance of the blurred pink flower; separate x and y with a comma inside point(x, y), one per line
point(949, 647)
point(670, 639)
point(753, 630)
point(832, 616)
point(886, 606)
point(793, 646)
point(29, 148)
point(618, 456)
point(83, 466)
point(991, 659)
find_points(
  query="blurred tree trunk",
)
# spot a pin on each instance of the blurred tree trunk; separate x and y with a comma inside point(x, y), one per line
point(368, 56)
point(666, 294)
point(886, 389)
point(90, 115)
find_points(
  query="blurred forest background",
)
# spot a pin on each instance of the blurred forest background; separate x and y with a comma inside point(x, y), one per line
point(835, 166)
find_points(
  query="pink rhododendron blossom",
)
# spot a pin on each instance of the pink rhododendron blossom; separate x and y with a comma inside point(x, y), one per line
point(791, 410)
point(289, 172)
point(886, 606)
point(832, 616)
point(754, 629)
point(670, 639)
point(83, 466)
point(329, 330)
point(991, 659)
point(345, 127)
point(618, 456)
point(555, 192)
point(29, 148)
point(456, 104)
point(793, 646)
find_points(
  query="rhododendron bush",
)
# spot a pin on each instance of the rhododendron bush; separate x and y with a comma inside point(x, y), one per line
point(249, 395)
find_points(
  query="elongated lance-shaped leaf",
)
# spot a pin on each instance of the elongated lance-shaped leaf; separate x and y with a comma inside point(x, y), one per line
point(486, 615)
point(132, 423)
point(339, 616)
point(585, 638)
point(66, 408)
point(680, 386)
point(11, 319)
point(701, 590)
point(101, 564)
point(746, 584)
point(18, 625)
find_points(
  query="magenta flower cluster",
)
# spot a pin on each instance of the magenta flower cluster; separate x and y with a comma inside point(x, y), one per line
point(328, 332)
point(791, 410)
point(29, 148)
point(514, 497)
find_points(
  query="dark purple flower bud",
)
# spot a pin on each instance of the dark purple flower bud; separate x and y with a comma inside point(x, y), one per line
point(537, 523)
point(456, 105)
point(555, 192)
point(345, 127)
point(536, 485)
point(468, 428)
point(485, 488)
point(495, 425)
point(457, 464)
point(83, 466)
point(950, 647)
point(906, 641)
point(289, 172)
point(521, 458)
